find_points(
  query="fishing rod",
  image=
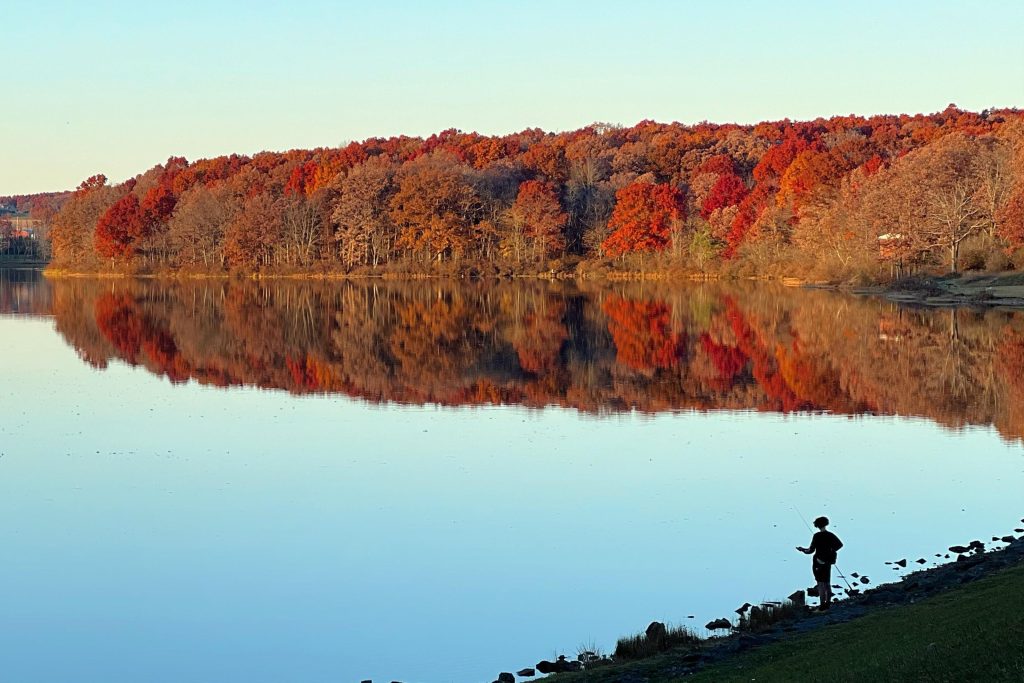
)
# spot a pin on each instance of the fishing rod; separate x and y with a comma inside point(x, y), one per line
point(838, 570)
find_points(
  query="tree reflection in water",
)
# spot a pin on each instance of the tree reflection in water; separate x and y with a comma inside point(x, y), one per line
point(636, 346)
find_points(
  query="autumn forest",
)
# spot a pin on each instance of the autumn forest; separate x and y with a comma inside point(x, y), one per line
point(841, 199)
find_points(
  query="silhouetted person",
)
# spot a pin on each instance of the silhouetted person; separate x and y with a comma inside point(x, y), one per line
point(825, 545)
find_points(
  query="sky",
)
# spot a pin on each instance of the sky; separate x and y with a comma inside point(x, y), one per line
point(117, 87)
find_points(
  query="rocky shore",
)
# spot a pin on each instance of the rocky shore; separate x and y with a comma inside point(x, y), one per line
point(1005, 290)
point(679, 652)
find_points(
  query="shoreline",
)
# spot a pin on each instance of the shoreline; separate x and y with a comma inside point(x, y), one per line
point(794, 620)
point(976, 290)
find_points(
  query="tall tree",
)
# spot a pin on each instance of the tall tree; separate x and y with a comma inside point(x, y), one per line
point(538, 215)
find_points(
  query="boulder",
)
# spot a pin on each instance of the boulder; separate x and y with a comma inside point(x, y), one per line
point(743, 609)
point(901, 563)
point(718, 624)
point(506, 677)
point(854, 574)
point(557, 667)
point(920, 560)
point(812, 592)
point(1008, 539)
point(655, 631)
point(546, 667)
point(756, 612)
point(865, 580)
point(958, 549)
point(1019, 531)
point(797, 598)
point(526, 673)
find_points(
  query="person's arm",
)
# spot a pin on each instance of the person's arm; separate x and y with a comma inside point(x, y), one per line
point(808, 551)
point(839, 544)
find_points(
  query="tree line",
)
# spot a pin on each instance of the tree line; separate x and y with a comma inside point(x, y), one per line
point(841, 197)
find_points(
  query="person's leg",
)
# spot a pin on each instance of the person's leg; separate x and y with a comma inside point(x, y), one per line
point(822, 574)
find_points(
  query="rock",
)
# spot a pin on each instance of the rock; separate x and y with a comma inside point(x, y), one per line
point(901, 563)
point(526, 673)
point(797, 598)
point(1008, 539)
point(995, 538)
point(958, 549)
point(854, 574)
point(921, 560)
point(655, 631)
point(888, 562)
point(744, 608)
point(755, 612)
point(690, 616)
point(852, 591)
point(546, 667)
point(1019, 531)
point(865, 580)
point(812, 592)
point(718, 624)
point(506, 677)
point(836, 586)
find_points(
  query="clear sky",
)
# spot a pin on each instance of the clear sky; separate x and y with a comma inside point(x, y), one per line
point(117, 87)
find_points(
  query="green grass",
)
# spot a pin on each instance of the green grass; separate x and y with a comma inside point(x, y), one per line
point(973, 633)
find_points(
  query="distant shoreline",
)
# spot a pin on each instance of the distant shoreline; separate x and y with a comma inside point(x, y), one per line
point(973, 289)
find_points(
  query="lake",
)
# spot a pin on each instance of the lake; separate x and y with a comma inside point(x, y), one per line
point(436, 481)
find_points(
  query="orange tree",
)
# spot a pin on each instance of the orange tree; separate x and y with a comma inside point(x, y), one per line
point(643, 218)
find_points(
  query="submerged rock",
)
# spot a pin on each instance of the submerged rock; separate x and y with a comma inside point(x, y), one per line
point(526, 673)
point(901, 563)
point(743, 609)
point(718, 624)
point(921, 560)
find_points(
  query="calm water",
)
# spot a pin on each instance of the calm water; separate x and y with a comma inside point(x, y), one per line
point(212, 481)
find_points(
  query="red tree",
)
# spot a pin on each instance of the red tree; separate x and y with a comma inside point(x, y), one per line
point(728, 190)
point(643, 217)
point(119, 228)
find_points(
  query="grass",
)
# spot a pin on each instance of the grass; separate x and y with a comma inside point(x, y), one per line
point(643, 645)
point(971, 633)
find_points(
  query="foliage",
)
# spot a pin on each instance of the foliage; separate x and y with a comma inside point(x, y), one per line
point(833, 198)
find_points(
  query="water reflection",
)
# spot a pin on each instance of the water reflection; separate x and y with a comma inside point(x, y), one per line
point(596, 349)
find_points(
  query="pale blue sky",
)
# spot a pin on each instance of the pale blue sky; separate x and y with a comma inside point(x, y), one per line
point(116, 87)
